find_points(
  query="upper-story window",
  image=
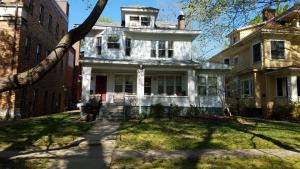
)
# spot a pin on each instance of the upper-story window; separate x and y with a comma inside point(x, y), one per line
point(134, 18)
point(226, 61)
point(145, 21)
point(50, 23)
point(128, 47)
point(277, 50)
point(41, 14)
point(38, 53)
point(57, 30)
point(27, 46)
point(113, 42)
point(256, 52)
point(99, 45)
point(162, 49)
point(30, 6)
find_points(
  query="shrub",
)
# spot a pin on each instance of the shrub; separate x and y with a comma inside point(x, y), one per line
point(193, 111)
point(141, 116)
point(175, 110)
point(157, 111)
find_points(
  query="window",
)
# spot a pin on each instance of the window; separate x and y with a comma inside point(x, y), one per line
point(212, 86)
point(162, 49)
point(298, 85)
point(153, 49)
point(236, 60)
point(57, 30)
point(113, 42)
point(277, 49)
point(170, 49)
point(50, 23)
point(145, 21)
point(27, 46)
point(38, 53)
point(127, 47)
point(226, 61)
point(30, 6)
point(281, 87)
point(178, 86)
point(256, 52)
point(41, 14)
point(118, 84)
point(160, 83)
point(129, 84)
point(246, 88)
point(99, 45)
point(170, 85)
point(134, 18)
point(202, 86)
point(148, 86)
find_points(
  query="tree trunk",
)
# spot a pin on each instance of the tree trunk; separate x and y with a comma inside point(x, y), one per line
point(36, 73)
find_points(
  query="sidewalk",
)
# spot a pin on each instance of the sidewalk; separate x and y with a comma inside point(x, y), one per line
point(93, 150)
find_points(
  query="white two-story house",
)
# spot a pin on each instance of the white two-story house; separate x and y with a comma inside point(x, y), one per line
point(143, 62)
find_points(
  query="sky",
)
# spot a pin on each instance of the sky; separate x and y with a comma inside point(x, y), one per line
point(79, 9)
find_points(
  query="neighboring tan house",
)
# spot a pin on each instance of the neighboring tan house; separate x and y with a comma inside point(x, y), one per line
point(29, 30)
point(142, 62)
point(266, 61)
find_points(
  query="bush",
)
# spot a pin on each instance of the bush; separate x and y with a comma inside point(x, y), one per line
point(193, 111)
point(91, 108)
point(157, 111)
point(175, 110)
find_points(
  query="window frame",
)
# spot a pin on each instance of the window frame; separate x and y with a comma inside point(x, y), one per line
point(148, 86)
point(226, 58)
point(250, 86)
point(206, 85)
point(261, 53)
point(128, 47)
point(99, 45)
point(284, 51)
point(145, 23)
point(286, 87)
point(113, 44)
point(41, 14)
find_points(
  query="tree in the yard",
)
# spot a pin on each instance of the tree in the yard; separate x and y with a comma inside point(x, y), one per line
point(36, 73)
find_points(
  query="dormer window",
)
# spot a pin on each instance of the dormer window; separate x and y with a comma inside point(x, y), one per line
point(145, 21)
point(226, 61)
point(134, 18)
point(113, 42)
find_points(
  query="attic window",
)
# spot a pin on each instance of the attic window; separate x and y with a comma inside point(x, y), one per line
point(145, 21)
point(134, 18)
point(113, 42)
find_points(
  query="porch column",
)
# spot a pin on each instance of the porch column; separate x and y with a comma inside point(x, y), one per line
point(292, 88)
point(140, 87)
point(192, 86)
point(86, 83)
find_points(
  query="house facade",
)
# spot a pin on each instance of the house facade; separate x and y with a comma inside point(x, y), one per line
point(29, 30)
point(143, 62)
point(265, 60)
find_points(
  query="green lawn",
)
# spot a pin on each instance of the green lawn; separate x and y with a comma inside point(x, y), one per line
point(210, 162)
point(42, 133)
point(209, 134)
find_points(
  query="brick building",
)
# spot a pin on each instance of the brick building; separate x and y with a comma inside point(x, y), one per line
point(29, 30)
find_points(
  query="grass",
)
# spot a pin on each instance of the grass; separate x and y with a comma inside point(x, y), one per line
point(210, 162)
point(209, 134)
point(42, 133)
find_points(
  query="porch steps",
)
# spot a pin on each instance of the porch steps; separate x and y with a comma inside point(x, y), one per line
point(112, 112)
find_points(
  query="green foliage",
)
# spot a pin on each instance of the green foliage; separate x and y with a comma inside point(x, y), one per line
point(141, 116)
point(104, 19)
point(286, 112)
point(157, 111)
point(175, 110)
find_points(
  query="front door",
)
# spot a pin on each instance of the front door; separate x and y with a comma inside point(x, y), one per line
point(101, 84)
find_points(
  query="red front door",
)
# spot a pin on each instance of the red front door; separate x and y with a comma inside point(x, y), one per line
point(101, 84)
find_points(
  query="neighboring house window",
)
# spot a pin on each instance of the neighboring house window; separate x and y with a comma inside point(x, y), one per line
point(134, 18)
point(38, 53)
point(113, 42)
point(118, 83)
point(236, 60)
point(246, 88)
point(298, 85)
point(153, 49)
point(27, 46)
point(145, 21)
point(277, 49)
point(148, 86)
point(41, 14)
point(35, 100)
point(226, 61)
point(30, 6)
point(212, 85)
point(256, 52)
point(162, 49)
point(170, 49)
point(50, 23)
point(128, 47)
point(281, 87)
point(99, 45)
point(57, 30)
point(202, 86)
point(160, 83)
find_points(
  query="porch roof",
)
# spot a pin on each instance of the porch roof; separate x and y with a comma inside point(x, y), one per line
point(90, 61)
point(284, 71)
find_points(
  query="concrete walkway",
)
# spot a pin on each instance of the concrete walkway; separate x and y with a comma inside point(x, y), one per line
point(125, 154)
point(93, 150)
